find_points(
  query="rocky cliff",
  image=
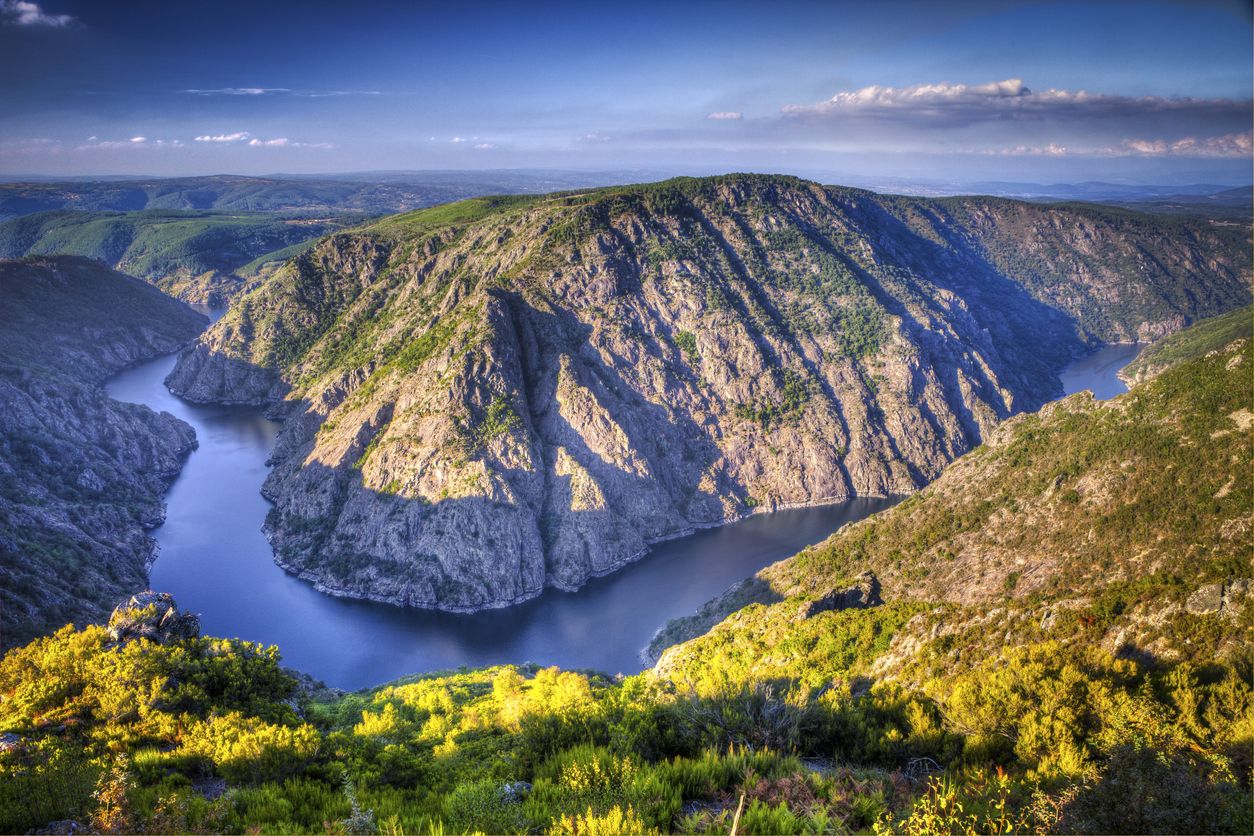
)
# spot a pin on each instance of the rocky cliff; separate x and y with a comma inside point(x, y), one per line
point(1123, 524)
point(495, 396)
point(81, 475)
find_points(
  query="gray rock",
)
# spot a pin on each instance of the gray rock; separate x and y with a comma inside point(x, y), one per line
point(153, 616)
point(865, 593)
point(1225, 598)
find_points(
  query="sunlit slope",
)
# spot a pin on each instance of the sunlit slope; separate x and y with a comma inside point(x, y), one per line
point(505, 394)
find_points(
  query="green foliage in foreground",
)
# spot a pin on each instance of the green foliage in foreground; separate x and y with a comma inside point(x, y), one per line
point(131, 738)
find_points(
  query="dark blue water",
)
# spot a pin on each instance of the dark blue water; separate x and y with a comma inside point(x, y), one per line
point(1099, 372)
point(216, 562)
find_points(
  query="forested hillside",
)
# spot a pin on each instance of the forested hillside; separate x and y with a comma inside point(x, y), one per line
point(199, 256)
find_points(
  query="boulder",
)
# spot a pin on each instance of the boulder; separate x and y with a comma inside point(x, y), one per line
point(153, 616)
point(864, 593)
point(1218, 597)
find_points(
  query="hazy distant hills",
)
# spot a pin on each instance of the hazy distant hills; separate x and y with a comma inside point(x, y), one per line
point(386, 192)
point(374, 193)
point(1202, 199)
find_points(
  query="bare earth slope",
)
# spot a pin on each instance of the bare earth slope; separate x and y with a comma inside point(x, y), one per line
point(495, 396)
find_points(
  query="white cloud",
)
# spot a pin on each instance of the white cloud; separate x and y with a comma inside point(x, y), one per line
point(725, 115)
point(1053, 149)
point(25, 13)
point(458, 140)
point(876, 96)
point(1001, 100)
point(485, 146)
point(284, 142)
point(134, 142)
point(239, 91)
point(238, 136)
point(595, 136)
point(1235, 145)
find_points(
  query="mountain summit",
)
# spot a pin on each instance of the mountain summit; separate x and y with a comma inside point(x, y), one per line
point(504, 394)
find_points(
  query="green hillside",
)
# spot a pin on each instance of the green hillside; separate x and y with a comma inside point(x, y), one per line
point(167, 247)
point(1064, 646)
point(1207, 335)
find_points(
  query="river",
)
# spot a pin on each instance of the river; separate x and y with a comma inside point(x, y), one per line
point(215, 562)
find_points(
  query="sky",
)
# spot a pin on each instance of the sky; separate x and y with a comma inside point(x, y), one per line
point(1133, 92)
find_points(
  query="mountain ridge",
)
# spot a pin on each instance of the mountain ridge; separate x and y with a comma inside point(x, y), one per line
point(82, 477)
point(483, 397)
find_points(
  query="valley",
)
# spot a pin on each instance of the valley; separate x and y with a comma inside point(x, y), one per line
point(1026, 527)
point(1027, 690)
point(581, 419)
point(504, 395)
point(216, 562)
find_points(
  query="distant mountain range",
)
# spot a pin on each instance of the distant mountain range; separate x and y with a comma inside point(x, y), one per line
point(372, 193)
point(386, 192)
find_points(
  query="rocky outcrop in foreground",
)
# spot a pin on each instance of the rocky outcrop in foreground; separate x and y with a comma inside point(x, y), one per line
point(153, 616)
point(497, 396)
point(81, 476)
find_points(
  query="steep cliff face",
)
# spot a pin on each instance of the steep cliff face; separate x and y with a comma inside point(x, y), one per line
point(81, 475)
point(495, 396)
point(1123, 524)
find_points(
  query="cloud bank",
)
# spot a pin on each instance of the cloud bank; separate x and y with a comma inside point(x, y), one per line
point(24, 13)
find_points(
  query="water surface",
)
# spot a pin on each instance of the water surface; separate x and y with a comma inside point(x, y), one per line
point(1099, 371)
point(216, 562)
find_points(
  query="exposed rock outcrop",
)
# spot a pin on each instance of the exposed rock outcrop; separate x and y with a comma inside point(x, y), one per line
point(153, 616)
point(1226, 598)
point(865, 593)
point(503, 395)
point(202, 376)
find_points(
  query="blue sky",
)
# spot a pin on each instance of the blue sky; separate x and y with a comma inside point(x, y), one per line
point(1041, 91)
